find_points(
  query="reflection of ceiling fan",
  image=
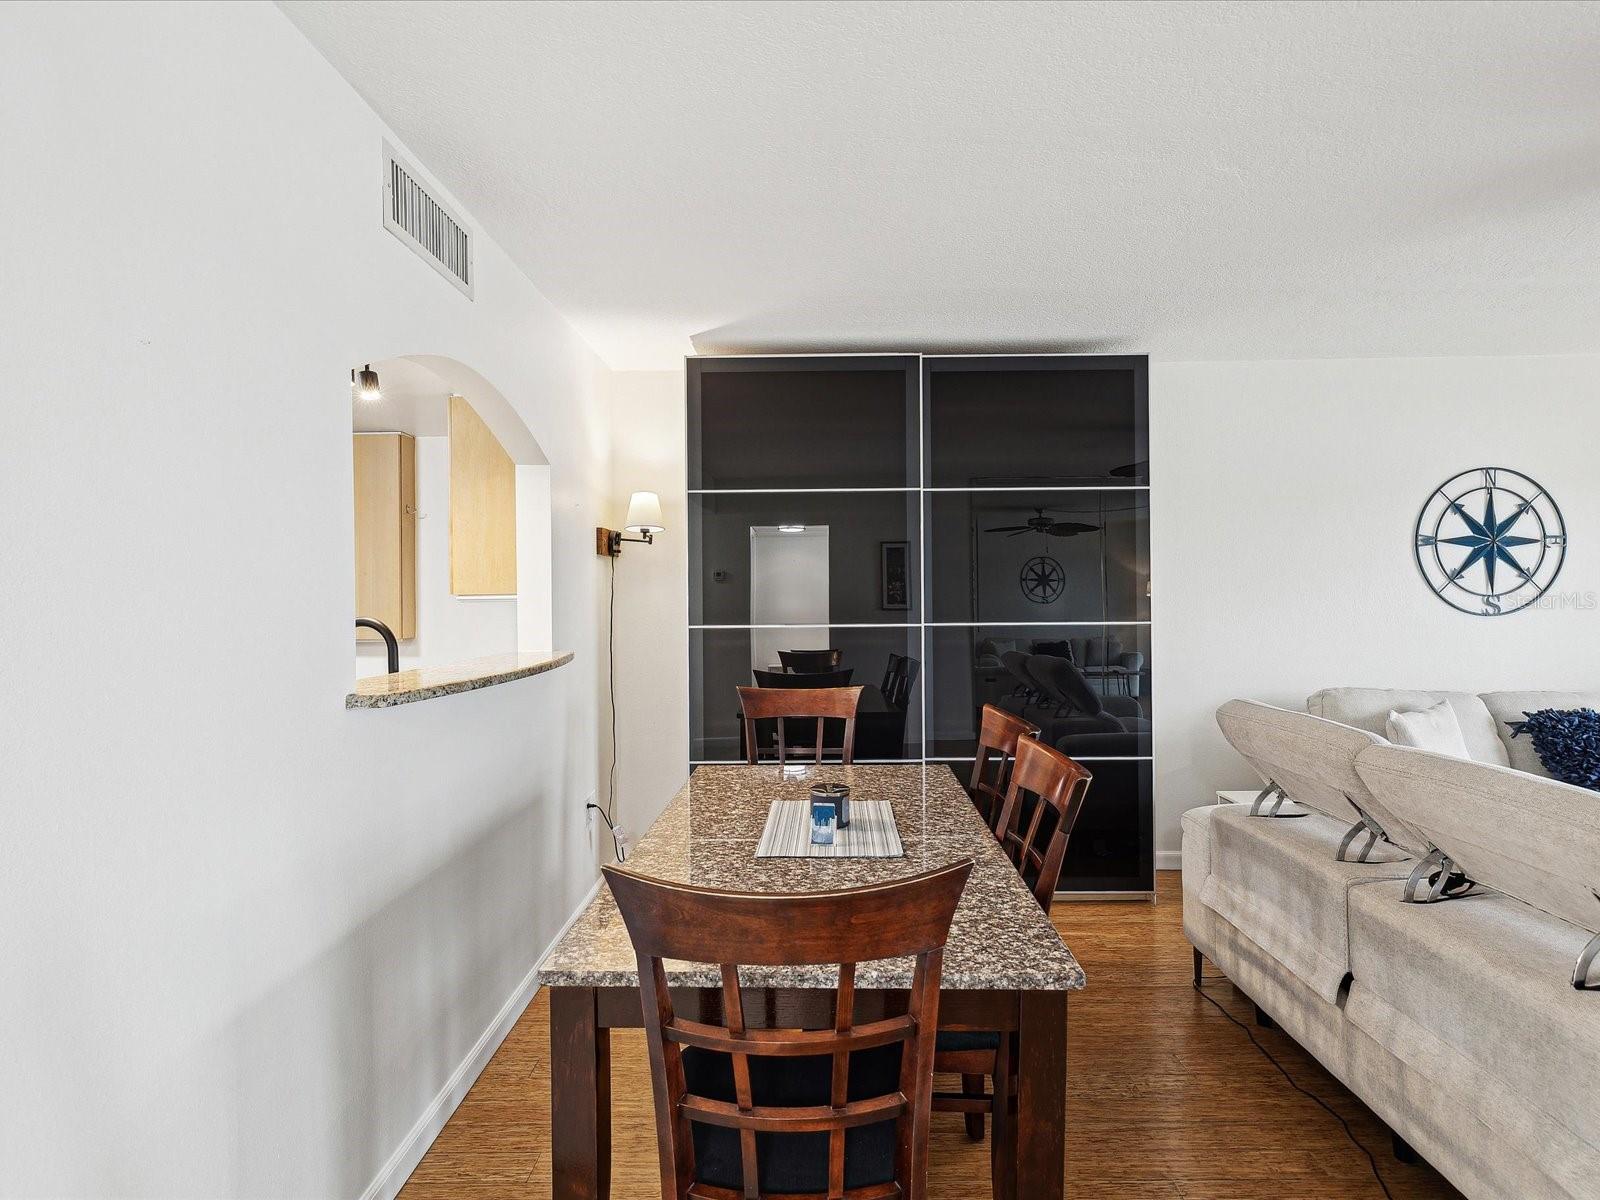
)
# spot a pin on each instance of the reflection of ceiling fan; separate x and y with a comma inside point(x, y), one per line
point(1043, 524)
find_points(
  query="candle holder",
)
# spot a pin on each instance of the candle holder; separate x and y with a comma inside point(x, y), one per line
point(838, 795)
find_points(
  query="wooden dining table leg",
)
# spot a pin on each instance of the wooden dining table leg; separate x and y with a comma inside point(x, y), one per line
point(1041, 1127)
point(580, 1097)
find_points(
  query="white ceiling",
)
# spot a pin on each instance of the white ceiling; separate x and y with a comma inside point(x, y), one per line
point(1261, 180)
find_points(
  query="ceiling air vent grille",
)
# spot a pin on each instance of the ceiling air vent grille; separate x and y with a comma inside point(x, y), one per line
point(421, 222)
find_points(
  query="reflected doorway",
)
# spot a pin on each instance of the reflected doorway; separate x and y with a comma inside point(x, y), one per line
point(789, 587)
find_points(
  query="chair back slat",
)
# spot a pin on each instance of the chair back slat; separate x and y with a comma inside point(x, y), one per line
point(998, 734)
point(909, 917)
point(1057, 785)
point(785, 704)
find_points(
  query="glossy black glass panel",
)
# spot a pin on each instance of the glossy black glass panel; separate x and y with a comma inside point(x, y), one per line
point(1099, 706)
point(721, 660)
point(1010, 421)
point(848, 422)
point(1112, 843)
point(1112, 846)
point(1039, 556)
point(788, 557)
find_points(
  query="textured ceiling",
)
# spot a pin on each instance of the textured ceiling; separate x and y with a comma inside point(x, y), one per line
point(1262, 180)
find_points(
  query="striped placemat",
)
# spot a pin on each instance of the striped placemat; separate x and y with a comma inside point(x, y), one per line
point(870, 834)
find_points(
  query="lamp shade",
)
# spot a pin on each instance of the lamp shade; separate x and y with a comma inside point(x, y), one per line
point(644, 513)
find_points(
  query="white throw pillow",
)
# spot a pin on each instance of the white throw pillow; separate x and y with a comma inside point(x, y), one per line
point(1437, 729)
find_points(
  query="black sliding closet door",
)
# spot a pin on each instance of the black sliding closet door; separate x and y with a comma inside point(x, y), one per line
point(1036, 490)
point(944, 510)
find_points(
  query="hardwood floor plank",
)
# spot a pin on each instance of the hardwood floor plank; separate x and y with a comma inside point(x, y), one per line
point(1166, 1099)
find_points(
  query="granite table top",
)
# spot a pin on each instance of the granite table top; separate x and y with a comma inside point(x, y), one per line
point(1000, 939)
point(425, 683)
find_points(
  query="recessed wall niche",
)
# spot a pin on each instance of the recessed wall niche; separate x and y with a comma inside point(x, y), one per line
point(970, 513)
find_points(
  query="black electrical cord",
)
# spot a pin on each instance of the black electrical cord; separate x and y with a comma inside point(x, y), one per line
point(1318, 1100)
point(611, 697)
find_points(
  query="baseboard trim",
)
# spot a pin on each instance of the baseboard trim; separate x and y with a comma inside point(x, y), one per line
point(394, 1173)
point(1169, 860)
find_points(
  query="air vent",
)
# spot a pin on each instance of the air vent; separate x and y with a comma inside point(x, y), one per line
point(421, 222)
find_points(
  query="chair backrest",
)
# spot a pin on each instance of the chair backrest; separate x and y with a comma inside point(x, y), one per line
point(898, 677)
point(819, 704)
point(816, 679)
point(1035, 835)
point(807, 662)
point(998, 736)
point(910, 917)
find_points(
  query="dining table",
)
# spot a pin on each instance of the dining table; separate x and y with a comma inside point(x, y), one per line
point(1006, 968)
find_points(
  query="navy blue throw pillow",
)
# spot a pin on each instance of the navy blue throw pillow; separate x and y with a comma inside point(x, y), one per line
point(1567, 742)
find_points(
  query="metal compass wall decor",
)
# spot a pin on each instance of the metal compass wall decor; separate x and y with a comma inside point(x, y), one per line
point(1490, 541)
point(1042, 579)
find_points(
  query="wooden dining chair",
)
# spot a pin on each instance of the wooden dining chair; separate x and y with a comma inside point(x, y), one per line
point(998, 735)
point(784, 705)
point(745, 1112)
point(805, 662)
point(1041, 805)
point(898, 678)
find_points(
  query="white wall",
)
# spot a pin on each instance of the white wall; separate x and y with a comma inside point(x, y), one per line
point(248, 935)
point(652, 591)
point(1285, 495)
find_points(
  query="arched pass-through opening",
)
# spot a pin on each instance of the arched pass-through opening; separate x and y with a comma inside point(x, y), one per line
point(452, 546)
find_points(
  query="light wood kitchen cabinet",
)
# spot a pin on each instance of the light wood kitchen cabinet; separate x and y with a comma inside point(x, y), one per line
point(483, 508)
point(386, 532)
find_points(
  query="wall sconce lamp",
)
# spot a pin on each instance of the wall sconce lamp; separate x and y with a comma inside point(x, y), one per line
point(644, 518)
point(365, 384)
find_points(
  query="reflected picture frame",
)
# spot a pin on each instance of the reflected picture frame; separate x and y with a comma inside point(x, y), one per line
point(894, 576)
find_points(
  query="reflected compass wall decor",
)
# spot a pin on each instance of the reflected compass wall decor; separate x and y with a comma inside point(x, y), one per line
point(1490, 541)
point(1042, 579)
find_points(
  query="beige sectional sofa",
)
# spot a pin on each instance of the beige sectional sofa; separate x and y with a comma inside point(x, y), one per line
point(1458, 1020)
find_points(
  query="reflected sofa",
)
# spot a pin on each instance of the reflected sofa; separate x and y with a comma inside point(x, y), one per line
point(1074, 717)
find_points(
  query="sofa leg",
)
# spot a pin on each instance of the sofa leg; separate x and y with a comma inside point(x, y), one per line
point(1403, 1151)
point(1264, 1021)
point(1199, 968)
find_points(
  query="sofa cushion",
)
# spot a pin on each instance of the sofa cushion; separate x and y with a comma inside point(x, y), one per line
point(1313, 760)
point(1472, 993)
point(1278, 882)
point(1369, 708)
point(1532, 838)
point(1506, 707)
point(1436, 729)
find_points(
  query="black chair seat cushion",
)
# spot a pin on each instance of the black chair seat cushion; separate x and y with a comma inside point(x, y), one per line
point(956, 1040)
point(794, 1162)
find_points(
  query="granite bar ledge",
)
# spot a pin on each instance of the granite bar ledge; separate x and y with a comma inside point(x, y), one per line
point(425, 683)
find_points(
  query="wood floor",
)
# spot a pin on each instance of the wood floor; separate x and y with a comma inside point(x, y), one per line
point(1167, 1098)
